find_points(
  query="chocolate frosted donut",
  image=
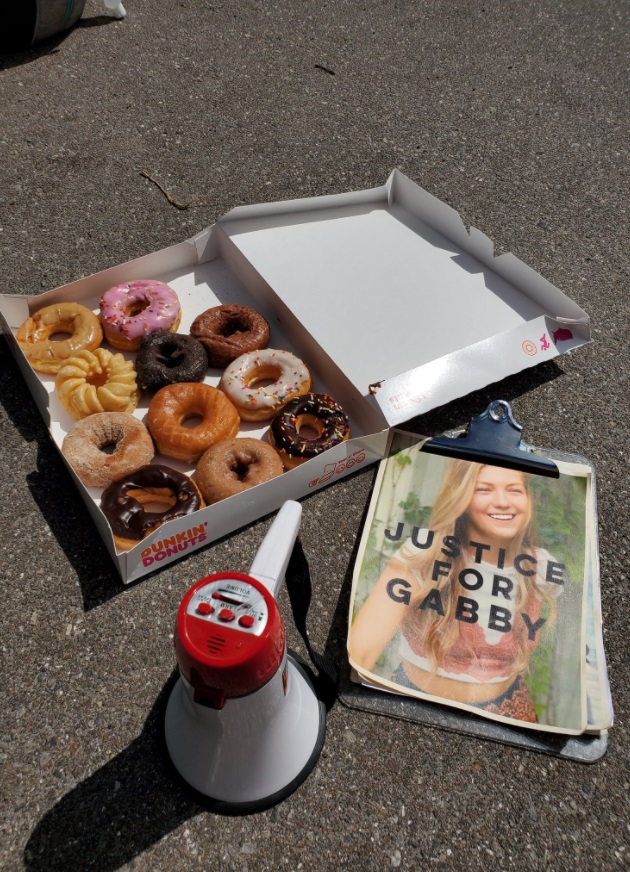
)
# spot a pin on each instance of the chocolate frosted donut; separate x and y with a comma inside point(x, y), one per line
point(167, 358)
point(228, 331)
point(317, 412)
point(123, 502)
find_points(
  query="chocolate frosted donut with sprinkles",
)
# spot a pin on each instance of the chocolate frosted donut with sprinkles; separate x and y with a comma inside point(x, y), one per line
point(260, 383)
point(317, 413)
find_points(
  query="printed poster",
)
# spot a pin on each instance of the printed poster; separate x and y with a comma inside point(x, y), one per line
point(470, 588)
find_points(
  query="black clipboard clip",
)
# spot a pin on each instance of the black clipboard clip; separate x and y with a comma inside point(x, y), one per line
point(493, 438)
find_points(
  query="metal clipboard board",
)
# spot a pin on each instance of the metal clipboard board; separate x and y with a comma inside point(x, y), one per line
point(493, 437)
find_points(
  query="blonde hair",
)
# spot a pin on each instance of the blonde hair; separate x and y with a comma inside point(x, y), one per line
point(449, 520)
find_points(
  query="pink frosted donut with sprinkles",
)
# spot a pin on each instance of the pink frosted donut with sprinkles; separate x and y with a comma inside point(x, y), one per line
point(132, 310)
point(260, 383)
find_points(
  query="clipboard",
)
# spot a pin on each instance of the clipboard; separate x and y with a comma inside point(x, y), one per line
point(492, 438)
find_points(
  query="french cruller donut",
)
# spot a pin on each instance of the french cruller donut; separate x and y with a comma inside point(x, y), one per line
point(123, 502)
point(261, 382)
point(53, 334)
point(318, 413)
point(97, 381)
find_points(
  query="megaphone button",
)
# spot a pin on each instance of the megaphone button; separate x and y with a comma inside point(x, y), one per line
point(246, 621)
point(226, 615)
point(204, 608)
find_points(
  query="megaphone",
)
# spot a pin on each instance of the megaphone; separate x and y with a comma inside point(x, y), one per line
point(243, 724)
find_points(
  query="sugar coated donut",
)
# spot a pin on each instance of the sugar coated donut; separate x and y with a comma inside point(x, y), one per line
point(167, 358)
point(81, 327)
point(131, 310)
point(85, 447)
point(316, 412)
point(284, 377)
point(235, 465)
point(123, 502)
point(228, 331)
point(97, 381)
point(173, 405)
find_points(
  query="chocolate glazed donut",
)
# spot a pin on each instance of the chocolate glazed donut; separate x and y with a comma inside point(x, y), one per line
point(316, 411)
point(228, 331)
point(123, 501)
point(166, 358)
point(234, 465)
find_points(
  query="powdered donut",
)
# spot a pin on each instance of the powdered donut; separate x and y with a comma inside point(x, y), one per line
point(166, 358)
point(123, 502)
point(81, 327)
point(84, 447)
point(173, 405)
point(228, 331)
point(243, 382)
point(133, 309)
point(317, 412)
point(235, 465)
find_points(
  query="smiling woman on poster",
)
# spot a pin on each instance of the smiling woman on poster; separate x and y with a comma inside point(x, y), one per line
point(471, 595)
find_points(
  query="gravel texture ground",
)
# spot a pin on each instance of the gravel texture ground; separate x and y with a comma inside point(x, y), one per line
point(516, 114)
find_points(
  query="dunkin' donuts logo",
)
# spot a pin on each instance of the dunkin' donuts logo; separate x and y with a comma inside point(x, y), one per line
point(332, 469)
point(173, 546)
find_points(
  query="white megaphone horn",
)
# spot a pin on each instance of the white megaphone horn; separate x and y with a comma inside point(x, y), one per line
point(243, 724)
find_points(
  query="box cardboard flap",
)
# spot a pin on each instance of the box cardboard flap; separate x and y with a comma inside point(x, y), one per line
point(457, 374)
point(394, 288)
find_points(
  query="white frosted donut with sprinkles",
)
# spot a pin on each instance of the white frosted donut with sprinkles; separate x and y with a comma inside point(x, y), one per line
point(261, 382)
point(132, 310)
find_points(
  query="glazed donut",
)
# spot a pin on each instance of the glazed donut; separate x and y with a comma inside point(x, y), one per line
point(129, 439)
point(167, 358)
point(123, 502)
point(173, 405)
point(235, 465)
point(318, 412)
point(97, 381)
point(131, 310)
point(288, 375)
point(48, 355)
point(228, 331)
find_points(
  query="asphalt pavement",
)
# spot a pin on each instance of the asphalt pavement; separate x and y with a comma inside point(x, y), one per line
point(515, 114)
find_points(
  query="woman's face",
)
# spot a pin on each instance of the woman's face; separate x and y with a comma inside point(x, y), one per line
point(499, 509)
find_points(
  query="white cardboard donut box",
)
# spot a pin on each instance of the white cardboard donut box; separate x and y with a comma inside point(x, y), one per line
point(394, 305)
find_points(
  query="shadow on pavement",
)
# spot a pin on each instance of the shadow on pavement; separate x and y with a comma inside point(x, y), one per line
point(15, 47)
point(71, 526)
point(118, 812)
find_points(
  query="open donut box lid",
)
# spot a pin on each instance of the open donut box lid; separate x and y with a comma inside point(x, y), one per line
point(396, 307)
